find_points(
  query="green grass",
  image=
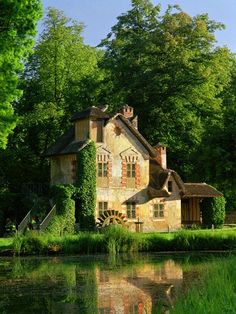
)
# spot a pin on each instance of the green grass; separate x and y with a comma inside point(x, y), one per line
point(116, 239)
point(215, 292)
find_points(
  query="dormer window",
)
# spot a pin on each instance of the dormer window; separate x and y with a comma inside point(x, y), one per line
point(99, 131)
point(170, 186)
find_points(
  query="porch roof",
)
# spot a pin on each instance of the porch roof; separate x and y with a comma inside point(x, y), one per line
point(200, 190)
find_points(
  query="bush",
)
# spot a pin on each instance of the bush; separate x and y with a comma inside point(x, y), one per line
point(64, 221)
point(213, 212)
point(30, 244)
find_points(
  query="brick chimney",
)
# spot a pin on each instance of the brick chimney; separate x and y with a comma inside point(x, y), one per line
point(161, 155)
point(127, 111)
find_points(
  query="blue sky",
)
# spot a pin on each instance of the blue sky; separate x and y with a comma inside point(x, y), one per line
point(100, 15)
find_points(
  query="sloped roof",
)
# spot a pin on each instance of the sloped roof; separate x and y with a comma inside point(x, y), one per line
point(65, 145)
point(200, 190)
point(139, 136)
point(92, 112)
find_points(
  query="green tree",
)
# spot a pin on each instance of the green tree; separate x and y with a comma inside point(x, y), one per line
point(18, 21)
point(168, 68)
point(218, 149)
point(61, 77)
point(59, 80)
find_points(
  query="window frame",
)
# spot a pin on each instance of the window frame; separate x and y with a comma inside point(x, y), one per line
point(131, 170)
point(159, 211)
point(102, 207)
point(131, 210)
point(102, 169)
point(170, 186)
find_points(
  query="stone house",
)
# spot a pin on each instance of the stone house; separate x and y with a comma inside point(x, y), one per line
point(134, 185)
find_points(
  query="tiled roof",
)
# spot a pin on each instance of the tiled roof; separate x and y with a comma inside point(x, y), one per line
point(93, 112)
point(65, 145)
point(139, 136)
point(200, 190)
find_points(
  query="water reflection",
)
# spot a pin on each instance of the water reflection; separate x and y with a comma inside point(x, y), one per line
point(90, 286)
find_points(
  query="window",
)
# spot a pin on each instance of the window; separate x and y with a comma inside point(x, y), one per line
point(102, 169)
point(170, 186)
point(102, 207)
point(158, 210)
point(131, 210)
point(131, 170)
point(99, 131)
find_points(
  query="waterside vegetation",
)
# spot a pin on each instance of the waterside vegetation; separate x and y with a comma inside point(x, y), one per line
point(214, 292)
point(115, 240)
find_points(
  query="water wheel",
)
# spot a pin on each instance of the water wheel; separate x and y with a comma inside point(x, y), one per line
point(111, 217)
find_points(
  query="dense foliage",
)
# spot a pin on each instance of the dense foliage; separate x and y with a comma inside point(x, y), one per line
point(17, 31)
point(64, 221)
point(86, 186)
point(213, 212)
point(168, 68)
point(166, 65)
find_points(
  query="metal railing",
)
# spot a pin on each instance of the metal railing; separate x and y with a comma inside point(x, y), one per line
point(44, 224)
point(24, 223)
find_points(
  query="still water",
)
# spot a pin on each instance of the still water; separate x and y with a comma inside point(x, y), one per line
point(139, 284)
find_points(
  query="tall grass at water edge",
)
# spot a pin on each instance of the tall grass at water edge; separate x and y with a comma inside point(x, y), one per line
point(214, 293)
point(116, 239)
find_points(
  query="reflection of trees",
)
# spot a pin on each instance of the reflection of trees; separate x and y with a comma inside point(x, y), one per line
point(58, 285)
point(86, 290)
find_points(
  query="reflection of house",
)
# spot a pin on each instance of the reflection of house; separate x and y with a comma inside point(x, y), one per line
point(133, 180)
point(139, 290)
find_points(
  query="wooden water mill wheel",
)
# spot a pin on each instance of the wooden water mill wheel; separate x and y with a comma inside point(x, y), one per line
point(111, 217)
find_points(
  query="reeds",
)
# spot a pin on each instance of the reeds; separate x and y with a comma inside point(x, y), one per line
point(214, 293)
point(115, 239)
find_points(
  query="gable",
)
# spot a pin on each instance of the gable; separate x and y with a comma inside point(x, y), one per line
point(121, 141)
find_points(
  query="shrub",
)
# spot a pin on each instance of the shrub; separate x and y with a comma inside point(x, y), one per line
point(29, 244)
point(213, 212)
point(64, 221)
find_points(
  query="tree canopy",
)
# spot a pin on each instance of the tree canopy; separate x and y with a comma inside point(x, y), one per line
point(18, 21)
point(168, 68)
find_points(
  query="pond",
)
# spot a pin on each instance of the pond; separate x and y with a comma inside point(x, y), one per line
point(97, 284)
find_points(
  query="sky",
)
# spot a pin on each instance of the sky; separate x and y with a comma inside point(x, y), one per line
point(99, 16)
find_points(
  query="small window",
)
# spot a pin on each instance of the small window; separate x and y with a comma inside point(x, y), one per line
point(131, 170)
point(102, 207)
point(158, 210)
point(170, 186)
point(102, 169)
point(99, 131)
point(131, 210)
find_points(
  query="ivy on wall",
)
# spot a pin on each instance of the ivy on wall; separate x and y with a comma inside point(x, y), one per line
point(64, 221)
point(86, 185)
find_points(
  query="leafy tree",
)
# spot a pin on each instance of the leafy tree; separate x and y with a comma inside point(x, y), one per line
point(218, 149)
point(168, 68)
point(17, 30)
point(60, 78)
point(58, 81)
point(213, 212)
